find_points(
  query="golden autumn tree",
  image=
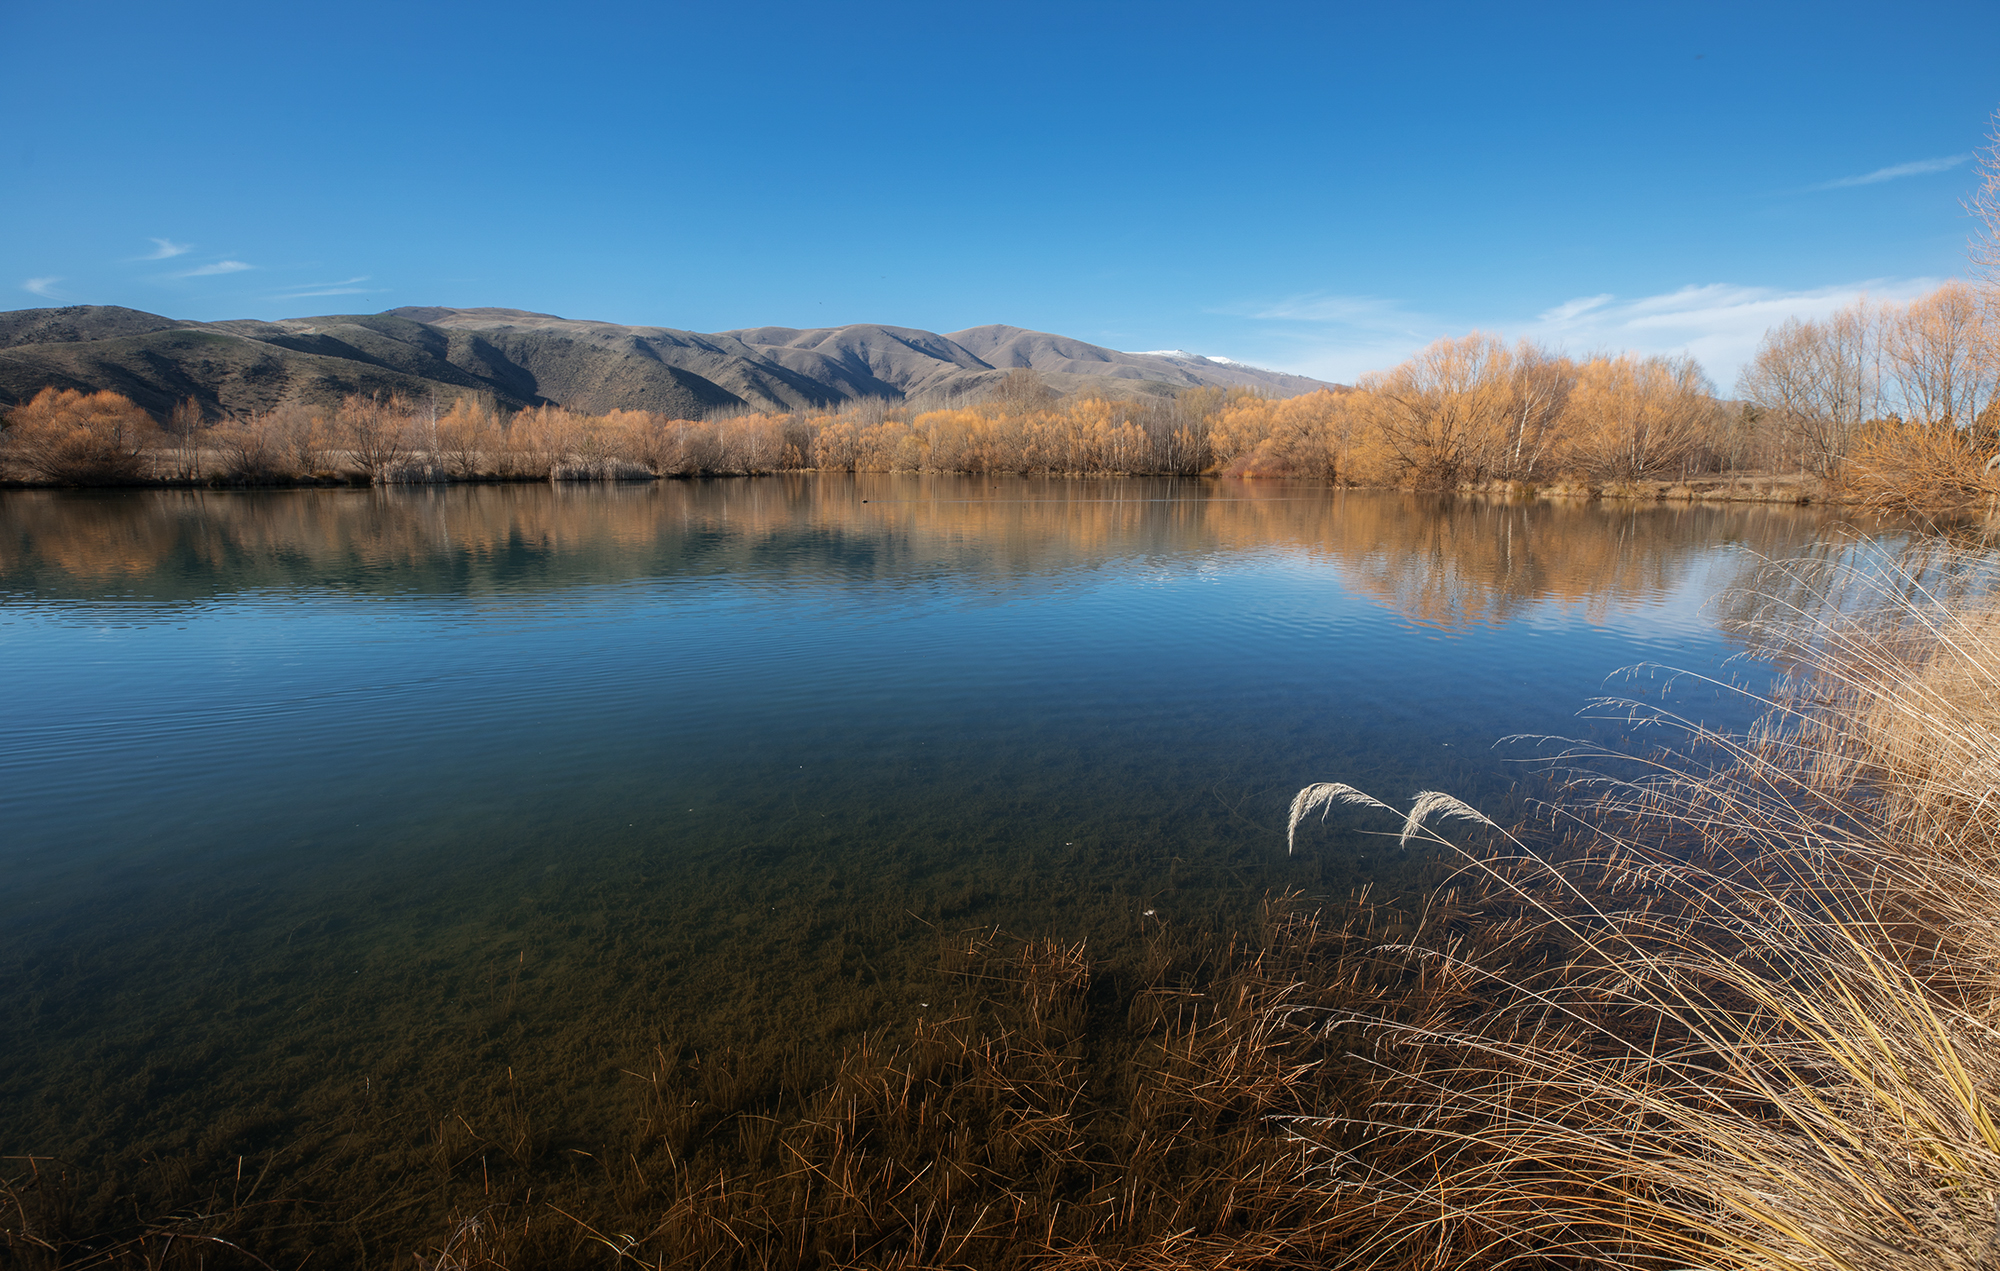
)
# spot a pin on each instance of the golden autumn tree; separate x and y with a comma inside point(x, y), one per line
point(80, 438)
point(467, 438)
point(1303, 436)
point(1533, 427)
point(1639, 419)
point(1438, 415)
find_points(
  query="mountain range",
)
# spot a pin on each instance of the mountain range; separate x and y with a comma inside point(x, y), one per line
point(518, 359)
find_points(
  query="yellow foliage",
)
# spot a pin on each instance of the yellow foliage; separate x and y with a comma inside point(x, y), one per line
point(1635, 419)
point(1898, 466)
point(468, 437)
point(80, 438)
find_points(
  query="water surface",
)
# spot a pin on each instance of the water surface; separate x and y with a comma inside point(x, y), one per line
point(326, 805)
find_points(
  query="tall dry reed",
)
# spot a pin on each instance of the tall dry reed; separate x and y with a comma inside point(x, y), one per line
point(1747, 1014)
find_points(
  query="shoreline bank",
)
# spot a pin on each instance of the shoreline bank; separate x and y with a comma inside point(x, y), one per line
point(1797, 489)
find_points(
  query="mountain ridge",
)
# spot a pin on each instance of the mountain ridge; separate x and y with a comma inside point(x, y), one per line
point(518, 358)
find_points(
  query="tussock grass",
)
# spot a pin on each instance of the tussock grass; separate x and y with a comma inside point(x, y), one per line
point(1748, 1017)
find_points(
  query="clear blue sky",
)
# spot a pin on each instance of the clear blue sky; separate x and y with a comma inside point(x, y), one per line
point(1320, 188)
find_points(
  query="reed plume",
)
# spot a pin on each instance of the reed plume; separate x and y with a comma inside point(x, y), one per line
point(1740, 1009)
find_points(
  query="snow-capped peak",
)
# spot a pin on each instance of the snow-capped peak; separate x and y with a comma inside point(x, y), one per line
point(1186, 356)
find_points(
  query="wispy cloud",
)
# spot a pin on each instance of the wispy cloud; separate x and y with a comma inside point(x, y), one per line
point(41, 286)
point(219, 267)
point(1329, 335)
point(1367, 312)
point(345, 287)
point(166, 249)
point(1571, 310)
point(1341, 337)
point(1897, 171)
point(1720, 323)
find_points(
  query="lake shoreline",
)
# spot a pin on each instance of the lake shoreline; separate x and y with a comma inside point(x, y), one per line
point(1796, 489)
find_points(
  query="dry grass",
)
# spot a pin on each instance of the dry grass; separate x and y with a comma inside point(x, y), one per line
point(219, 1224)
point(1749, 1019)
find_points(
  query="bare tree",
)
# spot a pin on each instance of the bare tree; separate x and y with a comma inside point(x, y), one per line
point(248, 449)
point(302, 436)
point(1940, 356)
point(1821, 381)
point(376, 433)
point(1985, 205)
point(184, 425)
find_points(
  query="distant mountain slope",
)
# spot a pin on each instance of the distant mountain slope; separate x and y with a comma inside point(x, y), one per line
point(1058, 355)
point(518, 359)
point(874, 361)
point(78, 323)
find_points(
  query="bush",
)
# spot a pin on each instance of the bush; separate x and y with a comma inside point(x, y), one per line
point(80, 438)
point(1901, 467)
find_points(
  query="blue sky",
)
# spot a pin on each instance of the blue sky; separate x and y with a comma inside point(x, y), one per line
point(1320, 188)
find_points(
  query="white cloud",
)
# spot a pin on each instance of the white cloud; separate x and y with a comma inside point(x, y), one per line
point(1720, 323)
point(1916, 169)
point(40, 286)
point(345, 287)
point(1570, 310)
point(219, 267)
point(166, 249)
point(1331, 336)
point(1341, 337)
point(1371, 312)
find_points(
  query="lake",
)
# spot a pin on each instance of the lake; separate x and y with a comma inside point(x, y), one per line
point(330, 815)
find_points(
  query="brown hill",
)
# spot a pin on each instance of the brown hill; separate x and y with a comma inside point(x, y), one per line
point(517, 359)
point(1062, 362)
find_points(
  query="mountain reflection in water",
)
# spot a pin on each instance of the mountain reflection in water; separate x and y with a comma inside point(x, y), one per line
point(1442, 562)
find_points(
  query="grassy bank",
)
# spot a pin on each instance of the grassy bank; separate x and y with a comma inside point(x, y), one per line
point(1749, 1018)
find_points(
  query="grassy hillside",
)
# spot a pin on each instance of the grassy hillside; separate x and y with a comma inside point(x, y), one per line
point(514, 360)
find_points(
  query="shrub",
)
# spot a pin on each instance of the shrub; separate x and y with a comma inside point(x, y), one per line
point(1902, 467)
point(80, 438)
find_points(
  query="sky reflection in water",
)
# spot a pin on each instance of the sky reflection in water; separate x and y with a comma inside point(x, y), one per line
point(295, 770)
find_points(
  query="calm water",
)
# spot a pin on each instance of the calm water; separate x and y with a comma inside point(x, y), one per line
point(324, 803)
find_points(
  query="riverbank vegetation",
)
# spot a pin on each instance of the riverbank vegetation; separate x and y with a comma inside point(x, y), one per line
point(1890, 405)
point(1749, 1023)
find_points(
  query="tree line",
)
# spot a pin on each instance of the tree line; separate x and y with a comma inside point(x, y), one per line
point(1895, 396)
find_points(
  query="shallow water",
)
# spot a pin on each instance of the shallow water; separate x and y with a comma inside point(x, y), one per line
point(325, 800)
